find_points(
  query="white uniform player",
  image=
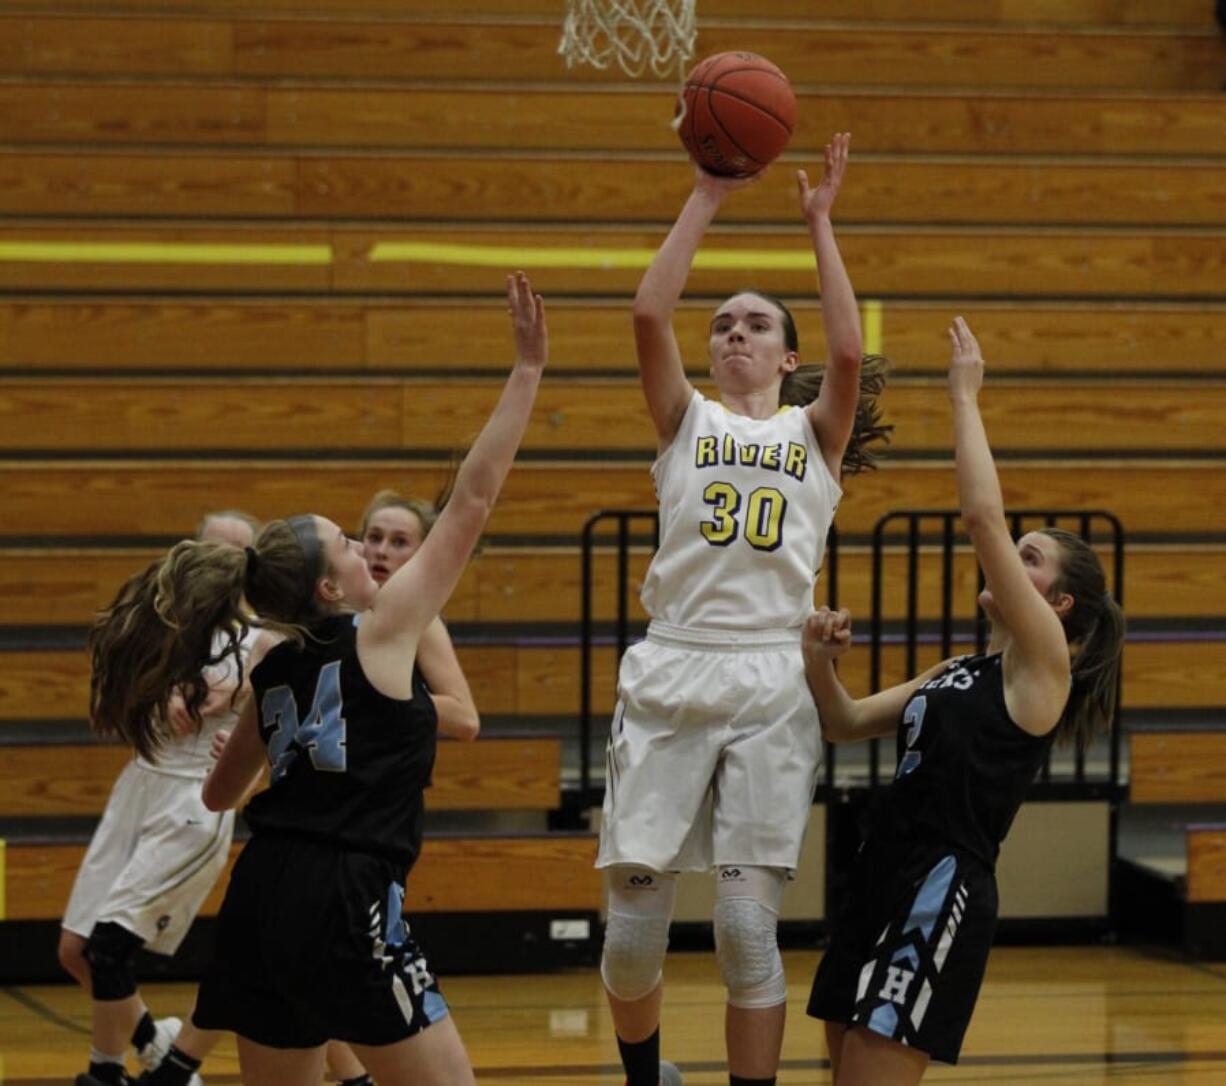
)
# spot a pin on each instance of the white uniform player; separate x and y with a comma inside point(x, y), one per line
point(158, 850)
point(715, 743)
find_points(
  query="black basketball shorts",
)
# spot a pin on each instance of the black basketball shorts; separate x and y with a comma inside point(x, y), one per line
point(909, 951)
point(311, 946)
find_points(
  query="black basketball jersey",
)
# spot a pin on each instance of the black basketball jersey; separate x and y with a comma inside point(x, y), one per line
point(963, 765)
point(347, 763)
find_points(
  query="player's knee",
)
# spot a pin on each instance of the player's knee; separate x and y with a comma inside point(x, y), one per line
point(636, 932)
point(110, 951)
point(746, 942)
point(71, 955)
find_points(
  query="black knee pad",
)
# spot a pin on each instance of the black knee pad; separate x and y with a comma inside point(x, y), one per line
point(110, 951)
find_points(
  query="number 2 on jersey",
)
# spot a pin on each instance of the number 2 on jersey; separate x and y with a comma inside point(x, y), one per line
point(321, 735)
point(914, 716)
point(763, 516)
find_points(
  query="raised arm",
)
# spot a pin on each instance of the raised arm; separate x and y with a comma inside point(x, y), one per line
point(844, 719)
point(1036, 660)
point(416, 592)
point(665, 386)
point(453, 699)
point(833, 413)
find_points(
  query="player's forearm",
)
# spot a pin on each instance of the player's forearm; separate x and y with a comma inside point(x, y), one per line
point(979, 494)
point(836, 709)
point(664, 280)
point(840, 313)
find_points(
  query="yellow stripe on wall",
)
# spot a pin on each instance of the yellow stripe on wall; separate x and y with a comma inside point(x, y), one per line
point(872, 325)
point(514, 256)
point(160, 252)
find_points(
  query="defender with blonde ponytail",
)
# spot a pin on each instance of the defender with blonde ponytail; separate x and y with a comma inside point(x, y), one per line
point(898, 984)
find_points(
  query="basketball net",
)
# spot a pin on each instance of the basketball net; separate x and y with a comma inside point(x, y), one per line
point(637, 34)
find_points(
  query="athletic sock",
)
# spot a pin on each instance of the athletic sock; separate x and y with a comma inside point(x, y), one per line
point(736, 1080)
point(641, 1060)
point(176, 1069)
point(108, 1069)
point(145, 1031)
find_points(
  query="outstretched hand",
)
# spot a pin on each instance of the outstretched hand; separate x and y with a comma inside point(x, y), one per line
point(965, 362)
point(527, 312)
point(718, 186)
point(826, 635)
point(817, 201)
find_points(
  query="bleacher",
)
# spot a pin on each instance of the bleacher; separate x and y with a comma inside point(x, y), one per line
point(252, 255)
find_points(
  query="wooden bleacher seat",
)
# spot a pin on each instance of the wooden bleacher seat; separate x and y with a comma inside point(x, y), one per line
point(456, 873)
point(404, 47)
point(523, 585)
point(561, 116)
point(499, 772)
point(543, 680)
point(589, 186)
point(1050, 263)
point(372, 335)
point(1177, 765)
point(591, 414)
point(553, 499)
point(1126, 13)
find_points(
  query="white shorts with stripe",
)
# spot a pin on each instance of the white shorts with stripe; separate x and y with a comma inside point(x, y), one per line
point(153, 859)
point(713, 753)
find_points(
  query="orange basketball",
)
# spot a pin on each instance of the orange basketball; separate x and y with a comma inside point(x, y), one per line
point(739, 113)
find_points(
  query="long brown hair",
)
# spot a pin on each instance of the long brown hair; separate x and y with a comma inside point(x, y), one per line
point(158, 635)
point(803, 384)
point(1095, 630)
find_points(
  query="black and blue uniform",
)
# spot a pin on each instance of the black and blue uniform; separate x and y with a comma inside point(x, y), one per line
point(911, 943)
point(311, 943)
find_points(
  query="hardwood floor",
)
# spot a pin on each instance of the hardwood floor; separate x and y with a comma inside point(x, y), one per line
point(1056, 1016)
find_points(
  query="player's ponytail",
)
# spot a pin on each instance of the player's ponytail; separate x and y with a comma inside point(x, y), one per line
point(157, 637)
point(1095, 631)
point(803, 384)
point(161, 631)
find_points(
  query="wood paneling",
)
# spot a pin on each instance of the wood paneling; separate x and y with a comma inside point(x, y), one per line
point(497, 185)
point(491, 774)
point(1171, 766)
point(620, 117)
point(465, 874)
point(525, 48)
point(1206, 864)
point(162, 497)
point(542, 584)
point(1043, 263)
point(296, 334)
point(107, 415)
point(1188, 13)
point(543, 680)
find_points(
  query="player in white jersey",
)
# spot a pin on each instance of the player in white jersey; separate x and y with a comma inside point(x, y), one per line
point(715, 742)
point(152, 861)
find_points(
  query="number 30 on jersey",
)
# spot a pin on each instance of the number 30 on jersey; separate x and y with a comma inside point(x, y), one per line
point(761, 523)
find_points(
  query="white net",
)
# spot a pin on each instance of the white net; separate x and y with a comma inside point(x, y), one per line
point(636, 34)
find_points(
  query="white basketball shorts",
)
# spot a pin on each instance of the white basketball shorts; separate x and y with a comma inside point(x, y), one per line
point(713, 753)
point(153, 859)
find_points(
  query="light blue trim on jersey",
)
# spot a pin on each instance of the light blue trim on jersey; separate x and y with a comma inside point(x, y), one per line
point(434, 1006)
point(906, 954)
point(395, 932)
point(931, 898)
point(884, 1020)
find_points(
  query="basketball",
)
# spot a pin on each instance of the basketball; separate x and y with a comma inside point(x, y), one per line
point(739, 113)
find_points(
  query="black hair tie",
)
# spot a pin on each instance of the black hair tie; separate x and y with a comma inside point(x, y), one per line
point(253, 560)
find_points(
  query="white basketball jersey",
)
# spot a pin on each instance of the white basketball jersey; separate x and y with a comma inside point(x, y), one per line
point(745, 505)
point(188, 755)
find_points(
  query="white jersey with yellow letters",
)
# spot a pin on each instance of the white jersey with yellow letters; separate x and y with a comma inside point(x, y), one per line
point(745, 506)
